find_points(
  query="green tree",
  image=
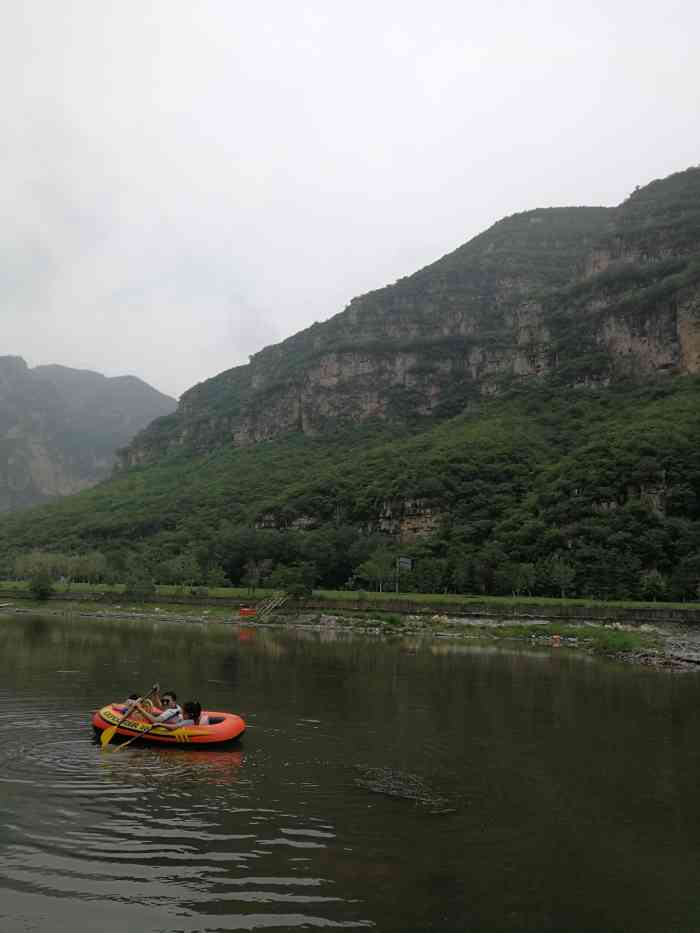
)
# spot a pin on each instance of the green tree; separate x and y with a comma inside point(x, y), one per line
point(139, 586)
point(430, 574)
point(378, 571)
point(40, 584)
point(464, 577)
point(216, 576)
point(255, 572)
point(53, 563)
point(686, 577)
point(654, 585)
point(183, 570)
point(524, 579)
point(560, 574)
point(90, 567)
point(292, 575)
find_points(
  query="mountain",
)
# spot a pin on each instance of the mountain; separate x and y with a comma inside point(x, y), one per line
point(521, 415)
point(579, 296)
point(60, 427)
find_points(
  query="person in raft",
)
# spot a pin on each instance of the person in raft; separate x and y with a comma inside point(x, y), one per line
point(191, 712)
point(130, 703)
point(170, 711)
point(189, 716)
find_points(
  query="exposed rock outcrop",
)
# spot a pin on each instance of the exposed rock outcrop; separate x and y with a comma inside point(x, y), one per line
point(581, 295)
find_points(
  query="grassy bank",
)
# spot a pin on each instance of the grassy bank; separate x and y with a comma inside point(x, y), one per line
point(210, 595)
point(598, 637)
point(610, 628)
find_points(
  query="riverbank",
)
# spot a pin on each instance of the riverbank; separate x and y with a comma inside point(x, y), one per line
point(667, 645)
point(358, 601)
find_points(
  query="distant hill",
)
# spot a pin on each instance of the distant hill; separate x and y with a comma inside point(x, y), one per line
point(574, 296)
point(60, 427)
point(520, 416)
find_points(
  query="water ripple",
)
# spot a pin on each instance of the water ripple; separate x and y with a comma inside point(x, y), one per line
point(174, 831)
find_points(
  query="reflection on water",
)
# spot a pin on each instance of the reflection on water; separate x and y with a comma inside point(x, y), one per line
point(572, 786)
point(174, 764)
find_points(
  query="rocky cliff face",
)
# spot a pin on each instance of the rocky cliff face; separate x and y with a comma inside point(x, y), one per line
point(60, 428)
point(580, 295)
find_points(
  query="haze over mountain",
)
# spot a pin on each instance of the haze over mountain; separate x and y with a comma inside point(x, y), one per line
point(521, 415)
point(60, 427)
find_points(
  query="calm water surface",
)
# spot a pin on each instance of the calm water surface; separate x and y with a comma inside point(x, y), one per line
point(572, 787)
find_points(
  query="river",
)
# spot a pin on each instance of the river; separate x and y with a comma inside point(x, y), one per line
point(557, 792)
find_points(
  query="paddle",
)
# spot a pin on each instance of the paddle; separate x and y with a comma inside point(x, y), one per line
point(109, 732)
point(139, 736)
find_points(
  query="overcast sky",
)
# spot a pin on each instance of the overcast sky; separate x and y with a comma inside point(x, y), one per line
point(186, 181)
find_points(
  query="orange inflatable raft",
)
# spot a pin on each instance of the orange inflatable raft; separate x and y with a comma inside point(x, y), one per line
point(219, 727)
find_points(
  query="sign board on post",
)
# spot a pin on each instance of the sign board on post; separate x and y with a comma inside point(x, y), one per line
point(402, 563)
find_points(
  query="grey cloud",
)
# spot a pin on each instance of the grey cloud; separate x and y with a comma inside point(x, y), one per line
point(186, 183)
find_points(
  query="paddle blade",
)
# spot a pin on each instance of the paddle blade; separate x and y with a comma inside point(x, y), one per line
point(107, 735)
point(139, 735)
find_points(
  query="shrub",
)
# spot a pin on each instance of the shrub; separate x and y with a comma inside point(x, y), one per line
point(40, 585)
point(139, 587)
point(391, 619)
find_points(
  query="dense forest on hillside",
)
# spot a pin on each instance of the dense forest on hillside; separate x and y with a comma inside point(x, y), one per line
point(578, 493)
point(534, 253)
point(575, 295)
point(520, 416)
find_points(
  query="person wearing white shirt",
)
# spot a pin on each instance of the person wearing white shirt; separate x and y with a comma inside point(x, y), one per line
point(170, 710)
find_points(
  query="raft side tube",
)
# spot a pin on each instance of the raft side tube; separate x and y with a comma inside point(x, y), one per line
point(225, 727)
